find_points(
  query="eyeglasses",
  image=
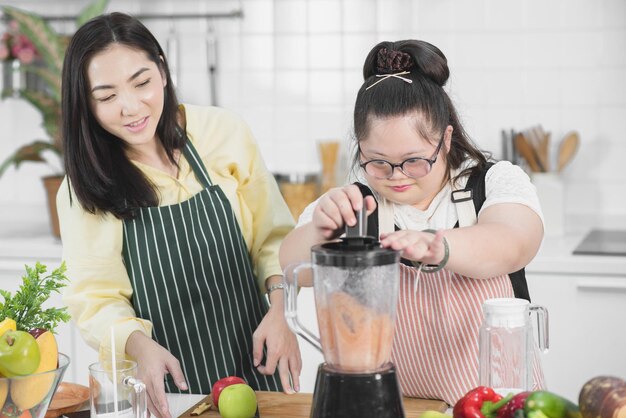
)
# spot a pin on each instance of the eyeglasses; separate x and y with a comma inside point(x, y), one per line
point(411, 167)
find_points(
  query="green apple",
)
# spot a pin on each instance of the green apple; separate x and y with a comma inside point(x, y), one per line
point(237, 401)
point(19, 353)
point(219, 386)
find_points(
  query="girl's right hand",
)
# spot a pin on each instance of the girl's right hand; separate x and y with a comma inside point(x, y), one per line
point(336, 208)
point(154, 362)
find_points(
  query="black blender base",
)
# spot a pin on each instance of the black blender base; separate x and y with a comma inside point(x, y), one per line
point(344, 395)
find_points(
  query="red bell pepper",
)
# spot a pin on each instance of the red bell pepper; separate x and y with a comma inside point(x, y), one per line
point(480, 402)
point(515, 404)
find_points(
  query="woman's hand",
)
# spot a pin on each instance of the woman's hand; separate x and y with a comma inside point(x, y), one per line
point(281, 345)
point(153, 363)
point(336, 209)
point(424, 247)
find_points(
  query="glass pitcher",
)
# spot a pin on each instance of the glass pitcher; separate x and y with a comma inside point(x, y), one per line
point(355, 283)
point(507, 349)
point(119, 396)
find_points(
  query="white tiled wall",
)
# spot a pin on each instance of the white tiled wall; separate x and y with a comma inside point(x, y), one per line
point(292, 69)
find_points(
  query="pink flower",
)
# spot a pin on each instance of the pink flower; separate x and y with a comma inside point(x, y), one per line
point(4, 52)
point(14, 45)
point(23, 49)
point(26, 56)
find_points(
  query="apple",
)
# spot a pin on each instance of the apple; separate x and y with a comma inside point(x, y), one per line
point(219, 386)
point(36, 332)
point(238, 401)
point(19, 353)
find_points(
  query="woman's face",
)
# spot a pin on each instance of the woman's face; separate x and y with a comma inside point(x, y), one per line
point(126, 94)
point(395, 140)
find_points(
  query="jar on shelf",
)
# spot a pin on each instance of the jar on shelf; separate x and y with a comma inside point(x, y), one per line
point(298, 190)
point(329, 153)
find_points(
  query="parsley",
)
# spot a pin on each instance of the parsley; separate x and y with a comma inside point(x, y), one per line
point(25, 306)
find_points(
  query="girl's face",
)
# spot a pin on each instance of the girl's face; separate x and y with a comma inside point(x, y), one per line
point(126, 94)
point(395, 140)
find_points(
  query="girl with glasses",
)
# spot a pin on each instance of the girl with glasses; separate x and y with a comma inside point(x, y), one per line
point(171, 224)
point(413, 161)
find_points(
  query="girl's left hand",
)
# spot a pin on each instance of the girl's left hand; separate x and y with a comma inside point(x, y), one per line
point(424, 247)
point(282, 348)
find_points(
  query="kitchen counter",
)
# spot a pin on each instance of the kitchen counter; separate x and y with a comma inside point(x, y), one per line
point(555, 256)
point(26, 238)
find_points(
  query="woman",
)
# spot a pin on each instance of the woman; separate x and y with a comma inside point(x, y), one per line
point(168, 215)
point(412, 156)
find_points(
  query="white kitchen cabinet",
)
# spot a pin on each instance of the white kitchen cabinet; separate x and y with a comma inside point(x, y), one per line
point(586, 301)
point(587, 317)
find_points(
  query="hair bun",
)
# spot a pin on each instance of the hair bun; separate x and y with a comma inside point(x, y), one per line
point(391, 61)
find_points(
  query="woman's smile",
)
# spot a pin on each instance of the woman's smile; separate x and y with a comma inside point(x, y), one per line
point(138, 125)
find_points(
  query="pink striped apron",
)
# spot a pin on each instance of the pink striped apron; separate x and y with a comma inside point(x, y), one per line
point(435, 347)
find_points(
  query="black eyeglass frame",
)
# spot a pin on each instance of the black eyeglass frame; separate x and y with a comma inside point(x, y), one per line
point(430, 162)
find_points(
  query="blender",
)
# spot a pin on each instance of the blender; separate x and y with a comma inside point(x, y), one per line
point(355, 283)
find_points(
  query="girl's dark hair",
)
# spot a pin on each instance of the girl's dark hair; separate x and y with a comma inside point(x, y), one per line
point(427, 67)
point(101, 175)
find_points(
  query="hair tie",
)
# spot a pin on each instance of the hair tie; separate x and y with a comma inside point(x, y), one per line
point(390, 61)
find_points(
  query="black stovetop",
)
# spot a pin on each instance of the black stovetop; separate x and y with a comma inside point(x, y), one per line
point(603, 242)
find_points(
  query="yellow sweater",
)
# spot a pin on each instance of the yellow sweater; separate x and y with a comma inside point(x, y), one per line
point(100, 291)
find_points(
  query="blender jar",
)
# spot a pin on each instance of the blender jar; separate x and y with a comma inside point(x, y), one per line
point(355, 284)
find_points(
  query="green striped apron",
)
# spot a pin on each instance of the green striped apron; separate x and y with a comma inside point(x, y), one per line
point(192, 278)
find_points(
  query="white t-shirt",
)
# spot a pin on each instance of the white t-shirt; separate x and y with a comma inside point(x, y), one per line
point(504, 183)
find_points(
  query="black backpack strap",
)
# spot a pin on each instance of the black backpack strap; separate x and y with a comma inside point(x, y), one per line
point(474, 190)
point(476, 186)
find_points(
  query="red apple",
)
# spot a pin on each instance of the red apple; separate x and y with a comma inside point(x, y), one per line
point(36, 332)
point(221, 384)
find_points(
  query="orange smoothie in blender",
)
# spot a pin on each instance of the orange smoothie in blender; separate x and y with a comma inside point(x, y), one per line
point(356, 337)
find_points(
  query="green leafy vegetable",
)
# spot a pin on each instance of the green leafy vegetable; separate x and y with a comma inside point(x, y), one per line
point(25, 307)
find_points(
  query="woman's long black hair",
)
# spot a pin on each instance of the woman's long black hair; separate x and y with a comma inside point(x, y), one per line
point(427, 67)
point(101, 175)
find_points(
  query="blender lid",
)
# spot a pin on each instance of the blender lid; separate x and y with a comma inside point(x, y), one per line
point(354, 252)
point(356, 248)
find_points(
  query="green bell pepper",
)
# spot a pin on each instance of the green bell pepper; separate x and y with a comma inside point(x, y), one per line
point(544, 404)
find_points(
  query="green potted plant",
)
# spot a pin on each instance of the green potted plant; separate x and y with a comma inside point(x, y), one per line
point(50, 49)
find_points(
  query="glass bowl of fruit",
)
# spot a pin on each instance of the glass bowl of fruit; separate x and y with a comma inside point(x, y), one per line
point(30, 370)
point(31, 366)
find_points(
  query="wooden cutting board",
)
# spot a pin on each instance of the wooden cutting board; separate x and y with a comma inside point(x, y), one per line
point(280, 405)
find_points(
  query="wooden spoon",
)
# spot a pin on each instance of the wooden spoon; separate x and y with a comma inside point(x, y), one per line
point(528, 152)
point(567, 149)
point(542, 149)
